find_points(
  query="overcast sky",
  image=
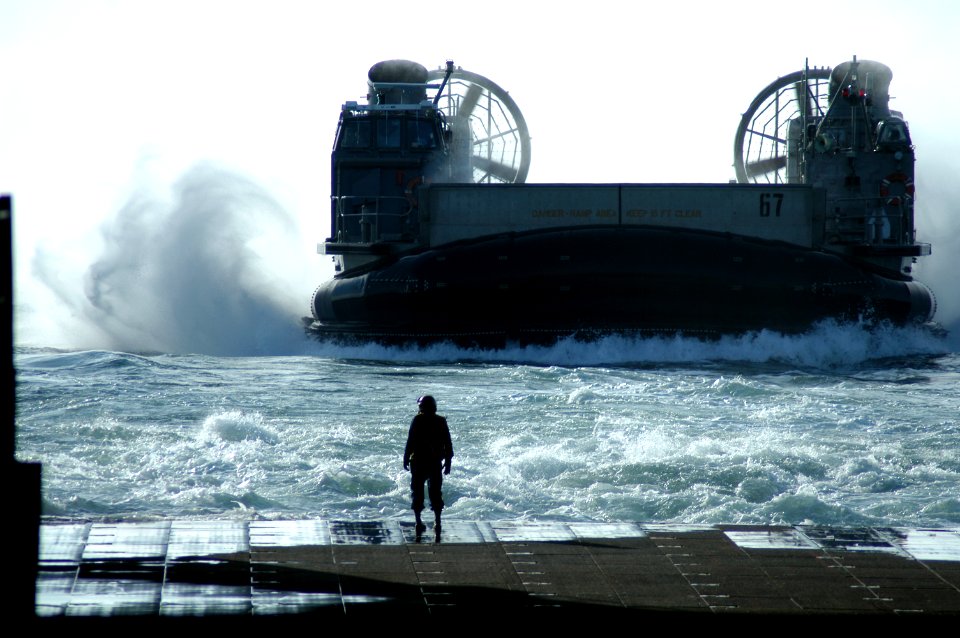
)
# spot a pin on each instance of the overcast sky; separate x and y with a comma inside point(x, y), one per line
point(103, 101)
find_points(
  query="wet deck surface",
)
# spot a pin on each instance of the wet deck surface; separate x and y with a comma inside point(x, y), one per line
point(191, 569)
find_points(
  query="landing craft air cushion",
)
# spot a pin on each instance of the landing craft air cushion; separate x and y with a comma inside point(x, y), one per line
point(436, 237)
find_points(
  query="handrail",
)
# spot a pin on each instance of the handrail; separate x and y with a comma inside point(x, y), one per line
point(372, 218)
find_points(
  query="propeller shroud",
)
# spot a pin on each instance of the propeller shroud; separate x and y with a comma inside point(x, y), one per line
point(488, 124)
point(760, 146)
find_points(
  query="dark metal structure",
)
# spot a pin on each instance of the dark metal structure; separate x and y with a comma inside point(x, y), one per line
point(21, 479)
point(435, 235)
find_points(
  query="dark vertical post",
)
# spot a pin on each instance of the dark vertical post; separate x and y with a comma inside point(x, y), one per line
point(6, 326)
point(21, 479)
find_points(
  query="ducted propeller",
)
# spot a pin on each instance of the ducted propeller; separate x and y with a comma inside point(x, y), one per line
point(760, 147)
point(489, 125)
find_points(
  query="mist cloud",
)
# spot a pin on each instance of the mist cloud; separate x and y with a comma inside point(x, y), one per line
point(208, 269)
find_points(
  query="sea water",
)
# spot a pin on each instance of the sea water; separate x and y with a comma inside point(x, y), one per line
point(842, 425)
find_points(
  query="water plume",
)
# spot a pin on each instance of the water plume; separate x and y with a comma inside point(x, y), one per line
point(209, 269)
point(939, 224)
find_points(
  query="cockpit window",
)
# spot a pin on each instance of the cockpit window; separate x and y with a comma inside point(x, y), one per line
point(355, 134)
point(388, 133)
point(421, 134)
point(893, 132)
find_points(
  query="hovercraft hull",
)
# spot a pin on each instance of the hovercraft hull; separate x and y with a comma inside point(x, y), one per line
point(435, 235)
point(536, 287)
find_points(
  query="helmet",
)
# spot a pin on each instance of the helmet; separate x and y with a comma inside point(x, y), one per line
point(427, 404)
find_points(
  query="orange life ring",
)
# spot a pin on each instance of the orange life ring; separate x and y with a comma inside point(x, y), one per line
point(900, 178)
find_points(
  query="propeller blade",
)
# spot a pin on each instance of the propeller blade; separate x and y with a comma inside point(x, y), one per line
point(469, 101)
point(817, 91)
point(764, 166)
point(501, 171)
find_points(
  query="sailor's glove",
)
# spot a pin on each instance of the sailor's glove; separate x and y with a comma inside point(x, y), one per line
point(446, 466)
point(406, 466)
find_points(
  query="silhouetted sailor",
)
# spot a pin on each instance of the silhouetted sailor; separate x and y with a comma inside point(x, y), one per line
point(428, 455)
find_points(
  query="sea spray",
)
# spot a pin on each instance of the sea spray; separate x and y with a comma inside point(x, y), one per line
point(212, 268)
point(711, 440)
